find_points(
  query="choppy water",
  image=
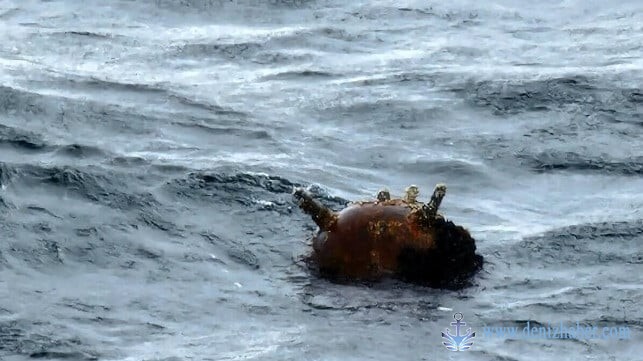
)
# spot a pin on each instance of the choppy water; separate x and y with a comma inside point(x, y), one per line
point(148, 150)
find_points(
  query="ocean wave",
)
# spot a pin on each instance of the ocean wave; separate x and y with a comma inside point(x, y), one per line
point(128, 161)
point(584, 244)
point(293, 45)
point(69, 112)
point(277, 49)
point(13, 100)
point(109, 217)
point(216, 6)
point(403, 78)
point(504, 97)
point(30, 339)
point(466, 16)
point(105, 97)
point(80, 151)
point(24, 140)
point(89, 34)
point(555, 160)
point(257, 191)
point(378, 113)
point(3, 203)
point(235, 251)
point(27, 141)
point(588, 93)
point(130, 171)
point(300, 75)
point(237, 132)
point(207, 106)
point(228, 51)
point(241, 188)
point(445, 168)
point(96, 83)
point(623, 231)
point(282, 57)
point(89, 183)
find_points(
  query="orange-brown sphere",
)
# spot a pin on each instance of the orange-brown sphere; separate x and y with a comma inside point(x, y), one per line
point(365, 239)
point(398, 237)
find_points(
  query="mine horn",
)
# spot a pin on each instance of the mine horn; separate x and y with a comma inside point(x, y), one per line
point(321, 215)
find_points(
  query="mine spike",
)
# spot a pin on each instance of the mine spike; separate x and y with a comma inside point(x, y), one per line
point(411, 194)
point(321, 215)
point(431, 208)
point(383, 195)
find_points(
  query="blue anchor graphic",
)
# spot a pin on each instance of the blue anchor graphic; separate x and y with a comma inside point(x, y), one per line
point(458, 342)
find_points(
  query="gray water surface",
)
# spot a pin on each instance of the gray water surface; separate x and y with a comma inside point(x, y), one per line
point(148, 150)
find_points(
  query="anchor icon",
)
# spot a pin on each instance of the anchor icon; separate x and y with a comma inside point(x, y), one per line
point(458, 342)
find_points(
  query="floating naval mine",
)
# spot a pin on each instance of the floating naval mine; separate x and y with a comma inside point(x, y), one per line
point(398, 237)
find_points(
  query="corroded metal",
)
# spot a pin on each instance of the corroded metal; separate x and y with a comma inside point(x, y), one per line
point(383, 195)
point(399, 236)
point(322, 216)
